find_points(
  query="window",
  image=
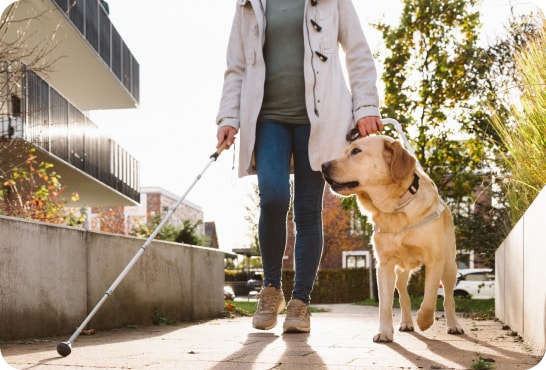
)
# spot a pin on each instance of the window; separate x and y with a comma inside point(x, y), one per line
point(355, 259)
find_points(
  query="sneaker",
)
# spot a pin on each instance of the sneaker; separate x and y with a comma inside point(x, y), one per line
point(298, 317)
point(271, 302)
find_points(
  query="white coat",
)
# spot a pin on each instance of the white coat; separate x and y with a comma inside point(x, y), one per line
point(332, 108)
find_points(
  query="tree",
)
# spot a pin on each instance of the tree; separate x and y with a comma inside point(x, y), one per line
point(440, 84)
point(431, 91)
point(344, 229)
point(251, 217)
point(186, 234)
point(31, 190)
point(15, 57)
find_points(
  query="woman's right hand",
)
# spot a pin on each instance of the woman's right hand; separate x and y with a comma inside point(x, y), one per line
point(226, 133)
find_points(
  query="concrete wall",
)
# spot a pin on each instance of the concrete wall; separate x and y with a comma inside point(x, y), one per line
point(52, 276)
point(520, 287)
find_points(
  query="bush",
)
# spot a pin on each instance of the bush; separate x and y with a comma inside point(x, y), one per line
point(331, 286)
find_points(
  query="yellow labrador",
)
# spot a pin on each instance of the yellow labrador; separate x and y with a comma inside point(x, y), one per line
point(413, 227)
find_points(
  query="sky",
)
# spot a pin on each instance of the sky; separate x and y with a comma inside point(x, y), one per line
point(180, 46)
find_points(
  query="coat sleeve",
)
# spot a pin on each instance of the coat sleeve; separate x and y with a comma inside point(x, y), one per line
point(229, 111)
point(359, 62)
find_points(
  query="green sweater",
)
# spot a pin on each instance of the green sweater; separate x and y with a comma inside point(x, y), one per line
point(284, 95)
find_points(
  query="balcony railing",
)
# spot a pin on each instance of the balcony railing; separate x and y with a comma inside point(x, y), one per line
point(91, 20)
point(47, 120)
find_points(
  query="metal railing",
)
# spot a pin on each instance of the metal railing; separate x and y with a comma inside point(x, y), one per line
point(50, 122)
point(93, 22)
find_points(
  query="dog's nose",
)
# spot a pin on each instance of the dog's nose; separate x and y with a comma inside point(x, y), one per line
point(325, 165)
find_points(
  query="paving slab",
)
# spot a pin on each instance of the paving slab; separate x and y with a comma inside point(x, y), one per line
point(340, 338)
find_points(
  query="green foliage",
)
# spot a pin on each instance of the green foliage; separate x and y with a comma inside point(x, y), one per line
point(235, 275)
point(479, 309)
point(159, 318)
point(241, 308)
point(31, 189)
point(431, 88)
point(334, 286)
point(524, 139)
point(482, 364)
point(443, 87)
point(186, 234)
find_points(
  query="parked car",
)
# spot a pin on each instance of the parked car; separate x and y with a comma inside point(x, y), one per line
point(255, 282)
point(473, 283)
point(229, 293)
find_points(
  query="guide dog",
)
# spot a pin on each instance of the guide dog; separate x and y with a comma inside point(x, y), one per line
point(412, 227)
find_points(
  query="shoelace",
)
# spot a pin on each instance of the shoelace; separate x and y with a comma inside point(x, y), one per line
point(296, 311)
point(267, 302)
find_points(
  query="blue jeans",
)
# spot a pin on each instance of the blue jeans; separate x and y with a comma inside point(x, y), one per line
point(275, 144)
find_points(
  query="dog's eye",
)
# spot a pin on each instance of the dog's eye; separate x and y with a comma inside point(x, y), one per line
point(355, 151)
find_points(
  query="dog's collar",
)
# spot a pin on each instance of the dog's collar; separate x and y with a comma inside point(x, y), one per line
point(431, 217)
point(409, 195)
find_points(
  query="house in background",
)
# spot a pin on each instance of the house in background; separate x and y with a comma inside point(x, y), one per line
point(154, 202)
point(89, 68)
point(344, 245)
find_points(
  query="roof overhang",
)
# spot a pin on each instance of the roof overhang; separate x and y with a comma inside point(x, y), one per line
point(69, 57)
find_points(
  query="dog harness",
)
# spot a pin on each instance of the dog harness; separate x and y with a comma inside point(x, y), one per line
point(431, 217)
point(412, 190)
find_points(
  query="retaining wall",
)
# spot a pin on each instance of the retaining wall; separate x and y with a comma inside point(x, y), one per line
point(52, 276)
point(520, 274)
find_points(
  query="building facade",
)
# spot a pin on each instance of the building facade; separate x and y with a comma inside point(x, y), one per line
point(59, 60)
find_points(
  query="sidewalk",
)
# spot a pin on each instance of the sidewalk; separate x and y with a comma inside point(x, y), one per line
point(340, 338)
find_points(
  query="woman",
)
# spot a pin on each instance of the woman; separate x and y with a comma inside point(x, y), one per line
point(285, 92)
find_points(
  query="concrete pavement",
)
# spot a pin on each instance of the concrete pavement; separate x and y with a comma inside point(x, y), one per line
point(340, 338)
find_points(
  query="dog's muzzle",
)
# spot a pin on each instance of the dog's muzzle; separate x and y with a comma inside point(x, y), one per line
point(336, 186)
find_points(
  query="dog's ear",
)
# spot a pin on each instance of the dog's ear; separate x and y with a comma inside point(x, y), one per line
point(401, 161)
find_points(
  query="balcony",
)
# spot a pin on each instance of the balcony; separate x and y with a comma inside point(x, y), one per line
point(90, 63)
point(94, 166)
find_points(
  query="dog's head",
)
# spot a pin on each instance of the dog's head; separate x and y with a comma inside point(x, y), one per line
point(370, 161)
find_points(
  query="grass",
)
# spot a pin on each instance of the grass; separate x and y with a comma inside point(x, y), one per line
point(478, 309)
point(525, 140)
point(483, 309)
point(482, 364)
point(242, 308)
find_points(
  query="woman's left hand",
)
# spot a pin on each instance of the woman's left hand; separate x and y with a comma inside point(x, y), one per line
point(369, 125)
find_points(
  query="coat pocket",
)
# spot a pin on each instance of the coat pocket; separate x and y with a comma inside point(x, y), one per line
point(327, 20)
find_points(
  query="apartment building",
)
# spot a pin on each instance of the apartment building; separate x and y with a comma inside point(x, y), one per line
point(59, 60)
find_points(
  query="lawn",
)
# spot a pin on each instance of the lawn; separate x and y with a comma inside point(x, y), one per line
point(242, 308)
point(476, 308)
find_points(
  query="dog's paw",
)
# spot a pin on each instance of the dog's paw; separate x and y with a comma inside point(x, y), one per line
point(382, 337)
point(455, 330)
point(425, 319)
point(406, 326)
